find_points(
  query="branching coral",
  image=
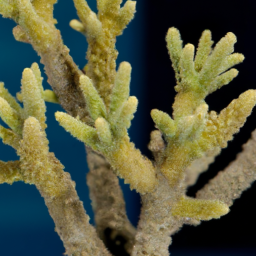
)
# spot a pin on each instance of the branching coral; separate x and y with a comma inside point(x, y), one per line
point(99, 113)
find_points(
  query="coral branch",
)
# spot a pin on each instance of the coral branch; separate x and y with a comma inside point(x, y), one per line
point(108, 204)
point(193, 131)
point(203, 50)
point(10, 116)
point(90, 24)
point(32, 94)
point(229, 184)
point(50, 96)
point(130, 165)
point(156, 221)
point(232, 117)
point(41, 168)
point(127, 161)
point(95, 104)
point(9, 98)
point(200, 209)
point(101, 32)
point(121, 90)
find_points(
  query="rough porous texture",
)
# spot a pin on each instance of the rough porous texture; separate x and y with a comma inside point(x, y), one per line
point(99, 111)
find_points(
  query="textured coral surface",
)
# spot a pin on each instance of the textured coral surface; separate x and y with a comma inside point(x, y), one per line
point(99, 111)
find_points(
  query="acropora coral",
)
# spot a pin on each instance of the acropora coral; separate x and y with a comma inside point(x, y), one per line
point(98, 112)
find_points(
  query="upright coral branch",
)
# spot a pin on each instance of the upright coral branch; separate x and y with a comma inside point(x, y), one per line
point(194, 131)
point(101, 32)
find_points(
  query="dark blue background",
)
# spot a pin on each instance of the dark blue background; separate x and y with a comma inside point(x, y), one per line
point(25, 225)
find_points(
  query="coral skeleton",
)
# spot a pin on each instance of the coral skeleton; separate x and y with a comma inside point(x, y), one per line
point(98, 110)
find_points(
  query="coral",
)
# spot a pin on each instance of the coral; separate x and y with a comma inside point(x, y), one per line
point(99, 111)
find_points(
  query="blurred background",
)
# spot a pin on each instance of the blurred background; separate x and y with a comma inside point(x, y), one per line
point(25, 225)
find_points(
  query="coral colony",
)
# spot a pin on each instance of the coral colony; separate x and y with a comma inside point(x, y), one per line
point(98, 111)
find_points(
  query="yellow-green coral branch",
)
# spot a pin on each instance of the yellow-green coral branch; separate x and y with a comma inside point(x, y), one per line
point(200, 209)
point(223, 79)
point(95, 104)
point(101, 53)
point(91, 25)
point(10, 116)
point(37, 73)
point(77, 25)
point(126, 115)
point(218, 131)
point(196, 130)
point(127, 13)
point(32, 96)
point(103, 130)
point(163, 122)
point(121, 90)
point(233, 117)
point(9, 98)
point(213, 65)
point(230, 61)
point(81, 131)
point(33, 152)
point(203, 50)
point(50, 96)
point(41, 32)
point(187, 69)
point(191, 86)
point(174, 45)
point(130, 165)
